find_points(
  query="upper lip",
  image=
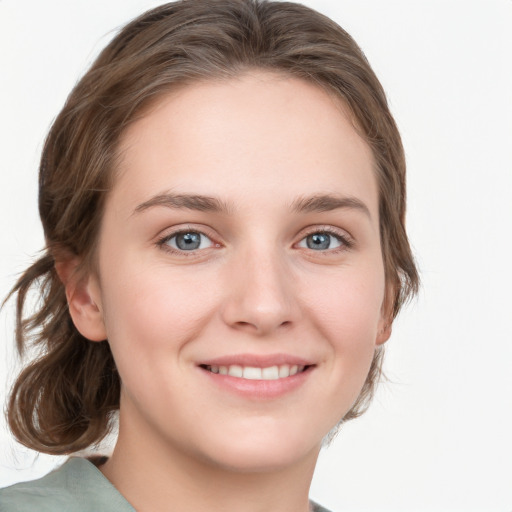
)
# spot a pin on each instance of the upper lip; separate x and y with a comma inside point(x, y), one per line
point(256, 360)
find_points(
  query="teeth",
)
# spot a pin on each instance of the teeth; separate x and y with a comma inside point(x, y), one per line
point(284, 371)
point(235, 371)
point(271, 373)
point(253, 373)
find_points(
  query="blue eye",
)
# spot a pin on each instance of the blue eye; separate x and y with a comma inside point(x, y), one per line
point(188, 241)
point(322, 241)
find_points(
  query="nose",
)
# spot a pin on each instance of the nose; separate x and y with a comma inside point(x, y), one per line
point(260, 294)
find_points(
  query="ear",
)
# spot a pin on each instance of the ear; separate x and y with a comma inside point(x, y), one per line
point(386, 316)
point(84, 299)
point(384, 332)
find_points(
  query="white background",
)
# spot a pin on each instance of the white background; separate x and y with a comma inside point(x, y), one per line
point(438, 436)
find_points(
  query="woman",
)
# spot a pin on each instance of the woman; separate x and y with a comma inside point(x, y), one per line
point(223, 200)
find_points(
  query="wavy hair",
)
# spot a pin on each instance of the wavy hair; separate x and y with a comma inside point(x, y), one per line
point(62, 402)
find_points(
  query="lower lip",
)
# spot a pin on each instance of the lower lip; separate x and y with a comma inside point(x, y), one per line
point(259, 389)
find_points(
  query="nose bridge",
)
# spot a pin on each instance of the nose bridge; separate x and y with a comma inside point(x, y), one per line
point(261, 296)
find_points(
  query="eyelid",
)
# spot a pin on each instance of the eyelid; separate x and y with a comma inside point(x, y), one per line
point(342, 235)
point(346, 240)
point(168, 234)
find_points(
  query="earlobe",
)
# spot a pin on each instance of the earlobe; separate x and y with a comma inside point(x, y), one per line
point(84, 301)
point(384, 332)
point(386, 319)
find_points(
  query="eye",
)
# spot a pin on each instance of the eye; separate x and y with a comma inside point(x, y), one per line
point(322, 241)
point(187, 241)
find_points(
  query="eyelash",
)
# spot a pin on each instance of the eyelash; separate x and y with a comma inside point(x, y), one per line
point(346, 242)
point(163, 242)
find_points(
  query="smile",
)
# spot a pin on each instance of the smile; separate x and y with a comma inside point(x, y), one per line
point(254, 373)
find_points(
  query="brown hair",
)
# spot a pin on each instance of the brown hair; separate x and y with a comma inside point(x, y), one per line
point(63, 401)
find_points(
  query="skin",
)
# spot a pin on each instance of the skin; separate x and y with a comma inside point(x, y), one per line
point(260, 143)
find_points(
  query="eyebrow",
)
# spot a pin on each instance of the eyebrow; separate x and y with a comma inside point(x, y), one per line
point(187, 201)
point(307, 204)
point(328, 202)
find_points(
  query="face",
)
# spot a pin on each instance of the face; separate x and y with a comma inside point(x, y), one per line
point(240, 279)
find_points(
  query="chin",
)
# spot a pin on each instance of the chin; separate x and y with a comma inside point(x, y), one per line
point(263, 451)
point(254, 460)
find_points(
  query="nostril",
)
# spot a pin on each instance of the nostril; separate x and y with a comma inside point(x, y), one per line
point(262, 326)
point(257, 310)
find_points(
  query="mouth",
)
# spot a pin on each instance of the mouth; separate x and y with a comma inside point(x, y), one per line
point(275, 372)
point(258, 377)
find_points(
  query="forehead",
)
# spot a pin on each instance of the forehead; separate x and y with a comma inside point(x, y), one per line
point(244, 137)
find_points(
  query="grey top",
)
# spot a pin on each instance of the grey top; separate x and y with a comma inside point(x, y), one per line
point(77, 486)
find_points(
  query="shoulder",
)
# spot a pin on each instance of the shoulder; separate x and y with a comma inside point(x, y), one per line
point(66, 489)
point(315, 507)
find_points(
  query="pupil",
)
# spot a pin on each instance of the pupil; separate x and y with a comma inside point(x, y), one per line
point(318, 241)
point(188, 241)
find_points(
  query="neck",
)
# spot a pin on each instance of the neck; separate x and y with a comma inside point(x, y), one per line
point(152, 475)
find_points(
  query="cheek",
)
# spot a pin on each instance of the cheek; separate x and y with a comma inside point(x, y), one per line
point(346, 311)
point(347, 305)
point(154, 313)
